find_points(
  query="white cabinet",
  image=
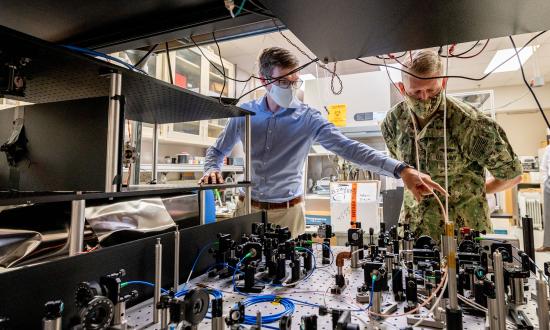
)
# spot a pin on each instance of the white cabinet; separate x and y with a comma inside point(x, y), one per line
point(200, 73)
point(193, 71)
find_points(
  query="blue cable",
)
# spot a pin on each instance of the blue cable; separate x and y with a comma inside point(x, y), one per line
point(371, 292)
point(217, 294)
point(235, 273)
point(305, 303)
point(314, 263)
point(253, 300)
point(331, 253)
point(105, 56)
point(240, 8)
point(269, 327)
point(198, 257)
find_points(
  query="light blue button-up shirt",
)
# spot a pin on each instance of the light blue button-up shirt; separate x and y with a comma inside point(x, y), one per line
point(280, 144)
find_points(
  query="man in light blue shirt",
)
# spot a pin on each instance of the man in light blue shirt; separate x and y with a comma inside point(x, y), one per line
point(283, 131)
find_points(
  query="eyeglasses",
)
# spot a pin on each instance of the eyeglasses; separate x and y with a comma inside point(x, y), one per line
point(285, 83)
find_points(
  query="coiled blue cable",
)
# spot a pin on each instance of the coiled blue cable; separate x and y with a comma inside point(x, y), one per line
point(287, 303)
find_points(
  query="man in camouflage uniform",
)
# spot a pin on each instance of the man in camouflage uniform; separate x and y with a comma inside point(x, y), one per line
point(475, 142)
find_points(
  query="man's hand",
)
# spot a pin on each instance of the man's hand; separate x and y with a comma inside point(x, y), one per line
point(420, 184)
point(214, 177)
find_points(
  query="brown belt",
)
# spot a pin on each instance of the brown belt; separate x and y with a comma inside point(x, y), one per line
point(271, 206)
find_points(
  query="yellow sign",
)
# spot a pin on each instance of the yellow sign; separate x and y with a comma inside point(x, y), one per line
point(337, 114)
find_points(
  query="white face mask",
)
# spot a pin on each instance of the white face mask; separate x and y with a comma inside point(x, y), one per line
point(284, 97)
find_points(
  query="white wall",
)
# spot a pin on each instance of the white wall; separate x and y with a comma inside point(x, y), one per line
point(522, 120)
point(363, 92)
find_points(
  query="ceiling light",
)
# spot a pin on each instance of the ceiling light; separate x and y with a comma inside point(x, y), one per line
point(393, 69)
point(511, 65)
point(307, 76)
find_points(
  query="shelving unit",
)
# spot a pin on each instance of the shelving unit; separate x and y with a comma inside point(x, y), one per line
point(58, 74)
point(178, 168)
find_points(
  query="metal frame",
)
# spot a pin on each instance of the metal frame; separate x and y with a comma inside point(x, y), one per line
point(155, 154)
point(202, 207)
point(137, 129)
point(76, 230)
point(113, 127)
point(248, 163)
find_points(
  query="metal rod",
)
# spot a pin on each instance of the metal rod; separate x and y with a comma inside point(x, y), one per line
point(354, 257)
point(248, 163)
point(137, 129)
point(492, 313)
point(498, 268)
point(76, 235)
point(113, 127)
point(542, 305)
point(451, 266)
point(376, 302)
point(155, 153)
point(164, 318)
point(120, 316)
point(176, 259)
point(158, 282)
point(529, 240)
point(202, 207)
point(51, 324)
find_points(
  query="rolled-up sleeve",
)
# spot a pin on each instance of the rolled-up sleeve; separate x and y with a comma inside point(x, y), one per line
point(361, 154)
point(223, 146)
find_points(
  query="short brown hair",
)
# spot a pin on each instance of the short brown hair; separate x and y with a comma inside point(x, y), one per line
point(424, 62)
point(276, 56)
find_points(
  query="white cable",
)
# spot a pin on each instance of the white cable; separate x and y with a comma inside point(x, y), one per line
point(479, 307)
point(435, 304)
point(356, 251)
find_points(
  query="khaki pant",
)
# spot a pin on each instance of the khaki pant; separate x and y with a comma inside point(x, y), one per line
point(293, 217)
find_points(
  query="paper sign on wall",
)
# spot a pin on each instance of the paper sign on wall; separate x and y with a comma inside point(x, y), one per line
point(337, 114)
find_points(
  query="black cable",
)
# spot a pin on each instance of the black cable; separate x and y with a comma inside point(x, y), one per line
point(527, 83)
point(169, 64)
point(217, 69)
point(258, 13)
point(453, 76)
point(252, 2)
point(152, 49)
point(474, 55)
point(221, 61)
point(252, 76)
point(272, 80)
point(454, 55)
point(339, 81)
point(391, 57)
point(391, 80)
point(332, 72)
